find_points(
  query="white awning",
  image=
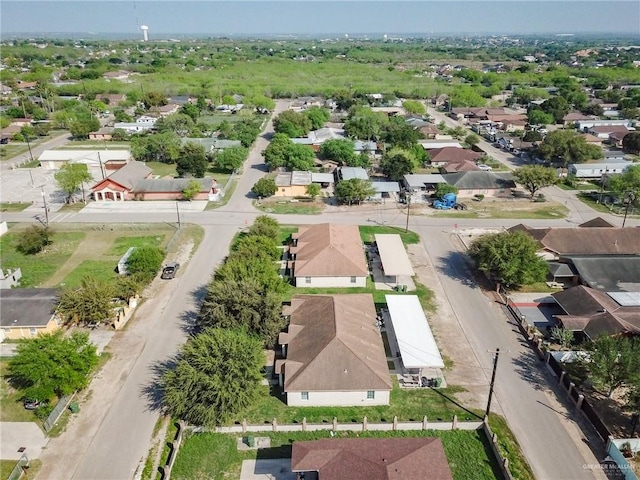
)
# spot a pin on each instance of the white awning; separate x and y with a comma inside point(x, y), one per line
point(395, 260)
point(417, 346)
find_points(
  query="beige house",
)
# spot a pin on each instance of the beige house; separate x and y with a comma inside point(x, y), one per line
point(333, 353)
point(292, 184)
point(328, 255)
point(28, 312)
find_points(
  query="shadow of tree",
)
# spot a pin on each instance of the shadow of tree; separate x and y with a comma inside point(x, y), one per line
point(455, 265)
point(153, 391)
point(189, 318)
point(529, 368)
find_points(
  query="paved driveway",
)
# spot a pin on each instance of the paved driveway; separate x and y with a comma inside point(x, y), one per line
point(21, 434)
point(271, 469)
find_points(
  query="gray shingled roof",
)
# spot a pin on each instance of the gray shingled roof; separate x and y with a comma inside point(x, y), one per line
point(609, 273)
point(480, 180)
point(129, 175)
point(27, 307)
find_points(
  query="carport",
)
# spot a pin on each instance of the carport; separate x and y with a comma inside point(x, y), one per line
point(393, 256)
point(418, 348)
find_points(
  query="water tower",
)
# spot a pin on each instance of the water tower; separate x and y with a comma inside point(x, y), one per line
point(145, 33)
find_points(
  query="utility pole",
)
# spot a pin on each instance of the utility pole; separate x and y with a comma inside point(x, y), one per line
point(46, 208)
point(26, 137)
point(629, 199)
point(406, 228)
point(178, 213)
point(493, 381)
point(101, 166)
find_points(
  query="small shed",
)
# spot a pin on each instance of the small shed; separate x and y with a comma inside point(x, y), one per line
point(393, 256)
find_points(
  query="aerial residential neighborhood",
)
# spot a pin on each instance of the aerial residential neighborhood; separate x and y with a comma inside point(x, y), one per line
point(380, 256)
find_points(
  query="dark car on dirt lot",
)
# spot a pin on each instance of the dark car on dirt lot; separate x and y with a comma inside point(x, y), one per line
point(169, 271)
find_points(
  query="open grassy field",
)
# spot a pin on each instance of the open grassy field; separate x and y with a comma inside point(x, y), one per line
point(6, 466)
point(284, 207)
point(215, 455)
point(493, 208)
point(103, 269)
point(38, 268)
point(12, 150)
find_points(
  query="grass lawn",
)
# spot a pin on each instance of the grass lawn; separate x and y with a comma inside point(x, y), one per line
point(103, 269)
point(122, 244)
point(35, 163)
point(285, 233)
point(12, 150)
point(468, 452)
point(12, 409)
point(72, 207)
point(484, 209)
point(367, 234)
point(606, 208)
point(13, 207)
point(221, 176)
point(538, 287)
point(579, 186)
point(216, 119)
point(162, 169)
point(510, 449)
point(424, 294)
point(284, 207)
point(6, 466)
point(36, 269)
point(406, 404)
point(97, 144)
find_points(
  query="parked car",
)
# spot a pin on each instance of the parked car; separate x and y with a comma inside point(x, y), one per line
point(169, 271)
point(484, 167)
point(31, 404)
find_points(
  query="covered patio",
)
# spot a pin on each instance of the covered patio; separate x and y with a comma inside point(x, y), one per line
point(390, 263)
point(421, 361)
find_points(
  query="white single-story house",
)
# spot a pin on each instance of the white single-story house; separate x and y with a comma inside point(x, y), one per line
point(333, 352)
point(597, 170)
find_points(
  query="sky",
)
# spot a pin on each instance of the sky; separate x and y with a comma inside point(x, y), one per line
point(312, 17)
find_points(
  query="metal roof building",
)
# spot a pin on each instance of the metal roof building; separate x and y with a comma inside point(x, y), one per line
point(394, 257)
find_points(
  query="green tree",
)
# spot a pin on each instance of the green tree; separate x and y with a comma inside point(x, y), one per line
point(33, 240)
point(265, 226)
point(190, 110)
point(631, 143)
point(299, 157)
point(443, 188)
point(246, 131)
point(231, 159)
point(70, 177)
point(339, 150)
point(160, 147)
point(466, 96)
point(313, 190)
point(532, 136)
point(318, 117)
point(265, 187)
point(276, 151)
point(81, 128)
point(396, 163)
point(556, 106)
point(538, 117)
point(353, 191)
point(472, 139)
point(145, 261)
point(52, 364)
point(257, 246)
point(292, 124)
point(535, 177)
point(248, 303)
point(191, 190)
point(398, 132)
point(612, 362)
point(178, 123)
point(508, 258)
point(154, 99)
point(365, 124)
point(192, 160)
point(89, 302)
point(414, 107)
point(567, 147)
point(562, 336)
point(627, 183)
point(217, 374)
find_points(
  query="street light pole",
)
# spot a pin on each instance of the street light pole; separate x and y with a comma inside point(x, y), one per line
point(46, 208)
point(178, 213)
point(406, 228)
point(493, 381)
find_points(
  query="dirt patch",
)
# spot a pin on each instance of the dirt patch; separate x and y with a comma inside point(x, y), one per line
point(452, 341)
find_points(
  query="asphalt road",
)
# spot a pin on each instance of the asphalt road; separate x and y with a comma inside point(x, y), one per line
point(35, 151)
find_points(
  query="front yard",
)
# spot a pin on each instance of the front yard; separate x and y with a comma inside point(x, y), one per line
point(501, 208)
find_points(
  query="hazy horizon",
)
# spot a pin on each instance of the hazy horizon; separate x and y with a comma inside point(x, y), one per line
point(313, 19)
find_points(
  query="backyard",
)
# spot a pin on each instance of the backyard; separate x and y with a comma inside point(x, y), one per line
point(468, 452)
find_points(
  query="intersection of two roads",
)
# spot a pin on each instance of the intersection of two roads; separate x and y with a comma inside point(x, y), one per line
point(112, 433)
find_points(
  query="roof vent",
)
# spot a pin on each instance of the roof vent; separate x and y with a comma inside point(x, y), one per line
point(346, 371)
